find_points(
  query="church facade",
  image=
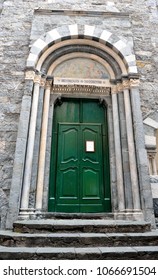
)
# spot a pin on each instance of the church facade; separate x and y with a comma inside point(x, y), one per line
point(79, 110)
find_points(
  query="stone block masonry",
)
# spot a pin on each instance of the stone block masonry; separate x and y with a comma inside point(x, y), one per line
point(23, 23)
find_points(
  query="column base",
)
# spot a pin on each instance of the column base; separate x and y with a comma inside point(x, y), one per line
point(129, 214)
point(25, 214)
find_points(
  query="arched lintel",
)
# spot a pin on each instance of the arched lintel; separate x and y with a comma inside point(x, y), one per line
point(83, 55)
point(85, 46)
point(118, 47)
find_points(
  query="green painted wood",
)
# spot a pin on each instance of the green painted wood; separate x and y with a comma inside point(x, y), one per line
point(79, 180)
point(79, 173)
point(91, 170)
point(67, 178)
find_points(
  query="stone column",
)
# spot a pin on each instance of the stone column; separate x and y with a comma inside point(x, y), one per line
point(141, 155)
point(42, 153)
point(154, 165)
point(152, 160)
point(124, 149)
point(20, 151)
point(30, 148)
point(53, 99)
point(33, 184)
point(118, 156)
point(113, 180)
point(131, 147)
point(150, 164)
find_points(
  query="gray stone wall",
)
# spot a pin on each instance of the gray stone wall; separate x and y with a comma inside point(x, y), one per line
point(20, 27)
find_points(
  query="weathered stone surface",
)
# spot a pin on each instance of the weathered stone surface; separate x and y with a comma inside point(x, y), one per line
point(155, 202)
point(98, 253)
point(12, 239)
point(23, 23)
point(78, 225)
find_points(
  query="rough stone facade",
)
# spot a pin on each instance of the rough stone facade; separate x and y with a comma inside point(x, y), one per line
point(23, 22)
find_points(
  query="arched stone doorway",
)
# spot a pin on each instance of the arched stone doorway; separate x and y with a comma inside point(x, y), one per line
point(116, 89)
point(79, 176)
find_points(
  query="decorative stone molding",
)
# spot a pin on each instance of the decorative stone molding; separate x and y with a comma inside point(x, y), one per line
point(114, 89)
point(125, 84)
point(78, 81)
point(152, 155)
point(81, 89)
point(37, 79)
point(134, 83)
point(42, 82)
point(29, 75)
point(49, 82)
point(119, 87)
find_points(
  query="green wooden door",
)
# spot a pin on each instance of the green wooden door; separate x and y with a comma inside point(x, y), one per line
point(79, 171)
point(67, 178)
point(79, 184)
point(91, 169)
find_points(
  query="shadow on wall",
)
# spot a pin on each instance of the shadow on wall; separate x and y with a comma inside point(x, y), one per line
point(151, 142)
point(155, 203)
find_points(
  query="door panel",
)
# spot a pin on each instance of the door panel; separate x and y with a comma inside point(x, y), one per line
point(67, 171)
point(80, 172)
point(90, 183)
point(68, 144)
point(67, 183)
point(91, 169)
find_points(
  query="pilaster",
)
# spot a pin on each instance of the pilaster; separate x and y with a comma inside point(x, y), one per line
point(30, 147)
point(20, 151)
point(131, 148)
point(43, 141)
point(124, 148)
point(141, 154)
point(118, 154)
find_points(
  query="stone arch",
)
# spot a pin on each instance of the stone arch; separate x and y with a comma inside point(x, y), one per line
point(103, 39)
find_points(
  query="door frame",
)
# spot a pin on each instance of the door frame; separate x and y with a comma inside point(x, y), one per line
point(107, 191)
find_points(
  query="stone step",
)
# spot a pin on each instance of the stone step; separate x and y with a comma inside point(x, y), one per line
point(13, 239)
point(77, 225)
point(73, 253)
point(59, 215)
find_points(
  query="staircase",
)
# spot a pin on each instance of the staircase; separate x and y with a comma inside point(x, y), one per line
point(82, 238)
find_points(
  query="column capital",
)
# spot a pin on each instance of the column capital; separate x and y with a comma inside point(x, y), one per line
point(125, 84)
point(29, 74)
point(114, 89)
point(43, 81)
point(152, 154)
point(134, 83)
point(119, 86)
point(37, 78)
point(49, 82)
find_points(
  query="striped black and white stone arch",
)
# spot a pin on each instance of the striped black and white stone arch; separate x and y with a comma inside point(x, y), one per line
point(118, 46)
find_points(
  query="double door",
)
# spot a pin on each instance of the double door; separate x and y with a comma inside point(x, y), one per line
point(79, 171)
point(79, 179)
